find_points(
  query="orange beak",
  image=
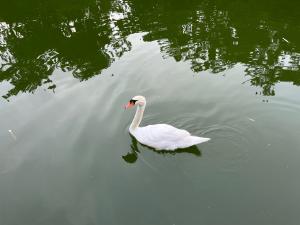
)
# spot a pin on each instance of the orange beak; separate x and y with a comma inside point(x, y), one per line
point(129, 105)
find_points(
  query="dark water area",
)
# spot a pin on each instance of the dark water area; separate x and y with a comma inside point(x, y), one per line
point(227, 70)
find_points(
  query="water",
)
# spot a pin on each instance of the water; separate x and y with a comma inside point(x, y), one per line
point(220, 69)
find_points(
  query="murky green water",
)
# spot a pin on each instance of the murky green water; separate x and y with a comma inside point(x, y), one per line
point(228, 70)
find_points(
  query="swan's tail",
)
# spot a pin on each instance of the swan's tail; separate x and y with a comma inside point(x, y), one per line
point(194, 140)
point(187, 142)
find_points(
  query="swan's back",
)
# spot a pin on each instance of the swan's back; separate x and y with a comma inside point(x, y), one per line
point(165, 137)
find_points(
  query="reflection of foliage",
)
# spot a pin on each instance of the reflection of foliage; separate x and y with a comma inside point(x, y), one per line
point(33, 48)
point(86, 36)
point(214, 36)
point(202, 37)
point(267, 72)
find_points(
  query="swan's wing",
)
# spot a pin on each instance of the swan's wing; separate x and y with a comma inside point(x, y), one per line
point(163, 131)
point(161, 136)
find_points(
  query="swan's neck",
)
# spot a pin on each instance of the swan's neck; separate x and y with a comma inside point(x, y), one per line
point(137, 117)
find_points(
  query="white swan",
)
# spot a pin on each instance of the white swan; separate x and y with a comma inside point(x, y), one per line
point(159, 136)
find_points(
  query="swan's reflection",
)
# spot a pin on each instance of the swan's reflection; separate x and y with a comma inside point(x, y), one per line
point(132, 156)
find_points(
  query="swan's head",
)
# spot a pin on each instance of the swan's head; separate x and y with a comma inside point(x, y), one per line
point(136, 100)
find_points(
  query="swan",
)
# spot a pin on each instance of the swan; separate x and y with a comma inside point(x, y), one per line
point(159, 136)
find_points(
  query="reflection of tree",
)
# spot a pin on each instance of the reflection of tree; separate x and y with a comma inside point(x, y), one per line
point(214, 36)
point(86, 36)
point(34, 47)
point(204, 43)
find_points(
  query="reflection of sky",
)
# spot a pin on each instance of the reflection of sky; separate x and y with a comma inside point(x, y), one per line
point(289, 61)
point(6, 56)
point(122, 11)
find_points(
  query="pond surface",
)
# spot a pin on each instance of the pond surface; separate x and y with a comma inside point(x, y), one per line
point(227, 70)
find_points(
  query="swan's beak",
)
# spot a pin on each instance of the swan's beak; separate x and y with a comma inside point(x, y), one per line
point(129, 105)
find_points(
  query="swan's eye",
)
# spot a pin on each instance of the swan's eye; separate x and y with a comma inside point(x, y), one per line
point(133, 101)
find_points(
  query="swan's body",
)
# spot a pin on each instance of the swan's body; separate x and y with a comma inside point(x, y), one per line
point(159, 136)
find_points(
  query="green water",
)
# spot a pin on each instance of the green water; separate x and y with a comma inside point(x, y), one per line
point(227, 70)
